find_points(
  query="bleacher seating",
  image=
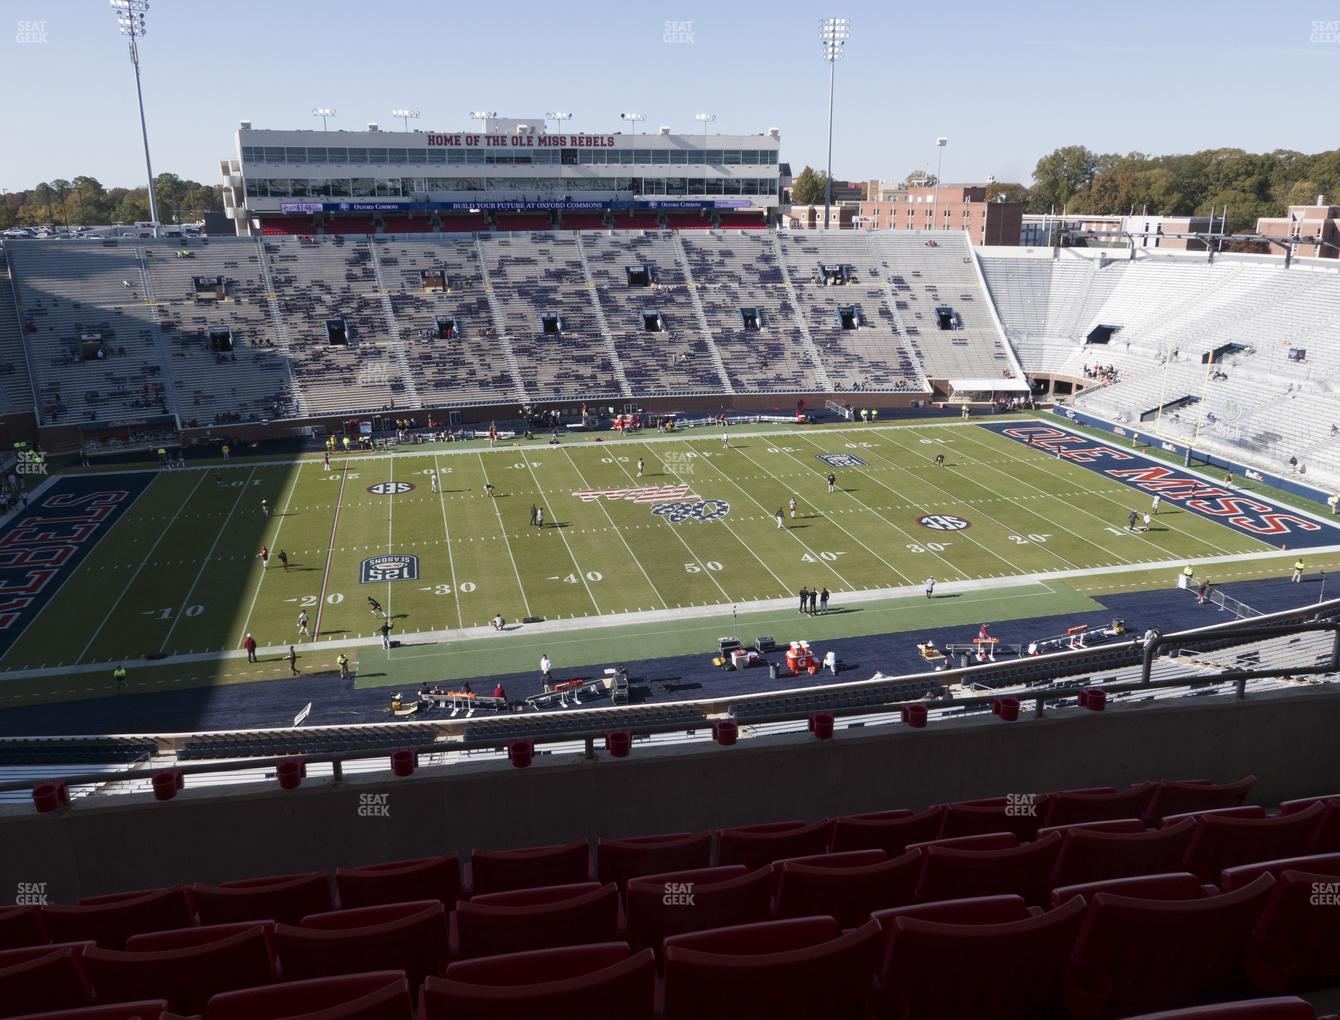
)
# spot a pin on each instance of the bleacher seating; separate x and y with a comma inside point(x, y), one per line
point(979, 926)
point(16, 387)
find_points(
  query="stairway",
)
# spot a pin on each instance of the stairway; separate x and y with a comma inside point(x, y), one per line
point(682, 256)
point(281, 335)
point(811, 348)
point(509, 356)
point(610, 347)
point(393, 332)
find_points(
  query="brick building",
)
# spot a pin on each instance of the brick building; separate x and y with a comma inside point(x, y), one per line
point(948, 207)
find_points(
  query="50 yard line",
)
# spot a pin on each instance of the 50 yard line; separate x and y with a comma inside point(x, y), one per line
point(330, 553)
point(446, 534)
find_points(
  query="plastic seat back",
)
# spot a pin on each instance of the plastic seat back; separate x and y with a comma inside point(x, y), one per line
point(1016, 968)
point(112, 920)
point(949, 873)
point(1220, 843)
point(55, 980)
point(1174, 885)
point(849, 894)
point(22, 926)
point(618, 860)
point(540, 918)
point(1297, 937)
point(423, 878)
point(1173, 797)
point(658, 906)
point(757, 845)
point(500, 870)
point(1090, 855)
point(415, 941)
point(1235, 878)
point(890, 831)
point(378, 995)
point(283, 898)
point(1070, 806)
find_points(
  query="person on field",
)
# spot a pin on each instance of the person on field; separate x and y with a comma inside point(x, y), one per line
point(832, 482)
point(119, 677)
point(823, 601)
point(283, 560)
point(343, 663)
point(792, 507)
point(434, 481)
point(778, 516)
point(292, 661)
point(930, 587)
point(1297, 571)
point(249, 643)
point(265, 556)
point(385, 631)
point(302, 624)
point(539, 517)
point(375, 606)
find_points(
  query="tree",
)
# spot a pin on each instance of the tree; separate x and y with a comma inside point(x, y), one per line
point(1005, 192)
point(1060, 176)
point(61, 189)
point(808, 188)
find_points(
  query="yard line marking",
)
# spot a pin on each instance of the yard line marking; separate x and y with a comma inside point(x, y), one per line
point(205, 563)
point(451, 560)
point(145, 560)
point(818, 560)
point(604, 509)
point(293, 484)
point(747, 547)
point(525, 459)
point(818, 472)
point(330, 551)
point(390, 504)
point(503, 528)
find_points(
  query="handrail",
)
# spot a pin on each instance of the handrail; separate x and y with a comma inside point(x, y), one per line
point(1038, 696)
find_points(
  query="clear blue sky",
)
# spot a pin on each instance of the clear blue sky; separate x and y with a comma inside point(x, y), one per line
point(1006, 82)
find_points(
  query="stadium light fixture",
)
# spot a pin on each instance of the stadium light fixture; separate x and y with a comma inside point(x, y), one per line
point(323, 112)
point(406, 116)
point(705, 118)
point(833, 34)
point(481, 116)
point(940, 144)
point(636, 118)
point(130, 19)
point(555, 116)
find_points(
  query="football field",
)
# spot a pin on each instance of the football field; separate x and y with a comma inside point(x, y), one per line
point(179, 572)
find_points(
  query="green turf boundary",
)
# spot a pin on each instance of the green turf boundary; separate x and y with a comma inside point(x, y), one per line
point(519, 651)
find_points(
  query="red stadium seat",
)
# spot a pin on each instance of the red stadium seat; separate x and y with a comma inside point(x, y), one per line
point(21, 926)
point(1089, 855)
point(1071, 806)
point(1288, 807)
point(181, 938)
point(890, 831)
point(618, 860)
point(1244, 874)
point(1135, 954)
point(949, 873)
point(378, 995)
point(972, 910)
point(999, 815)
point(984, 841)
point(570, 983)
point(796, 969)
point(659, 905)
point(500, 870)
point(110, 920)
point(1174, 885)
point(1220, 842)
point(1015, 970)
point(846, 859)
point(401, 881)
point(1109, 825)
point(1297, 937)
point(1327, 837)
point(186, 977)
point(53, 981)
point(1284, 1008)
point(412, 937)
point(283, 898)
point(145, 1009)
point(1174, 798)
point(22, 954)
point(1240, 811)
point(757, 845)
point(849, 893)
point(539, 918)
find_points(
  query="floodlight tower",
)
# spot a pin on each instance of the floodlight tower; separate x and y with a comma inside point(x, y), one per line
point(833, 34)
point(705, 119)
point(636, 119)
point(560, 117)
point(406, 116)
point(130, 19)
point(324, 112)
point(940, 144)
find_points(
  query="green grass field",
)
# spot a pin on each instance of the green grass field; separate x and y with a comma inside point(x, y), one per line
point(180, 572)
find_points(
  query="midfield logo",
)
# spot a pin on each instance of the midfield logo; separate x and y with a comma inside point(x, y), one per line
point(702, 510)
point(394, 567)
point(390, 488)
point(640, 494)
point(842, 460)
point(944, 522)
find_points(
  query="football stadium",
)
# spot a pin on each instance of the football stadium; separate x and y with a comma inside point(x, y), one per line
point(443, 591)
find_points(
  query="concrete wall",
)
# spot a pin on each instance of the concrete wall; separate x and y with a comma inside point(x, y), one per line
point(111, 844)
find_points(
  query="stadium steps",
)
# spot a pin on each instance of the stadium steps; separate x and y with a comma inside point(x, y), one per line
point(624, 389)
point(393, 332)
point(16, 386)
point(277, 321)
point(500, 325)
point(812, 349)
point(682, 257)
point(147, 289)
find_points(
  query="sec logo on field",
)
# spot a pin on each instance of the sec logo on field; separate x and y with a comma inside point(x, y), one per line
point(944, 522)
point(390, 488)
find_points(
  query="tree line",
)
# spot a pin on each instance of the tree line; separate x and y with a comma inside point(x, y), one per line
point(1078, 180)
point(85, 202)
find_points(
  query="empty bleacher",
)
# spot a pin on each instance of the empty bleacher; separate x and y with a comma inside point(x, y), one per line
point(16, 388)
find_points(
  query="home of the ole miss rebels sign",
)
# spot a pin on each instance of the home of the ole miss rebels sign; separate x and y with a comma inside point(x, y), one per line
point(1252, 514)
point(523, 141)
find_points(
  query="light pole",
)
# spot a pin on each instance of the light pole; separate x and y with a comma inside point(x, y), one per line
point(406, 116)
point(636, 118)
point(705, 119)
point(481, 116)
point(130, 19)
point(833, 35)
point(323, 112)
point(935, 196)
point(560, 117)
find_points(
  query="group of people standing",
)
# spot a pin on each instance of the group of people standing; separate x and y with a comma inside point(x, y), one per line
point(812, 602)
